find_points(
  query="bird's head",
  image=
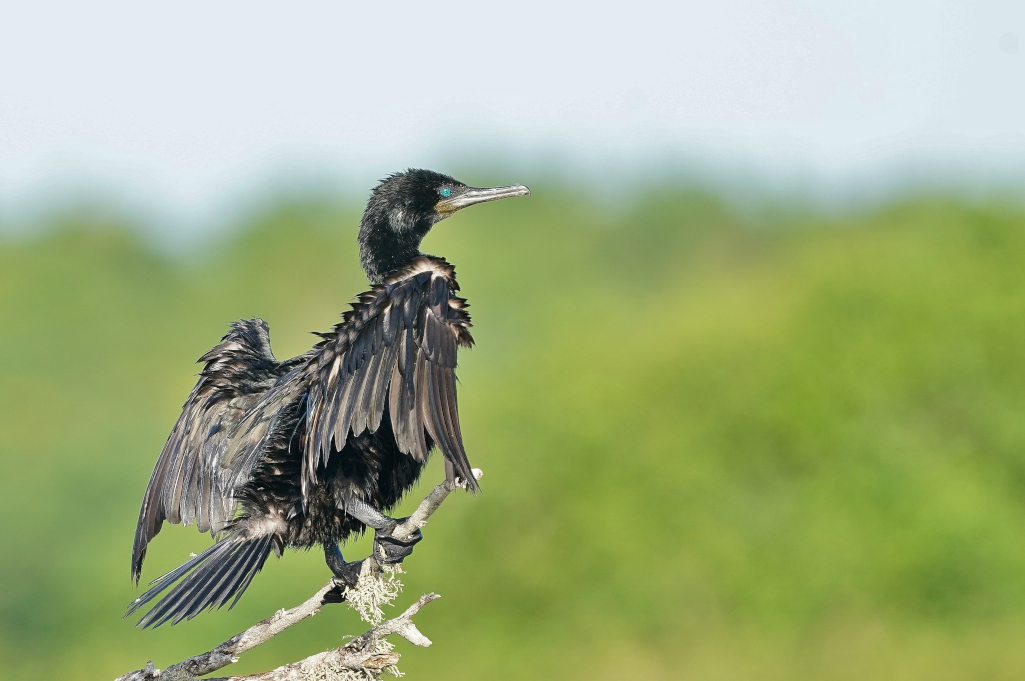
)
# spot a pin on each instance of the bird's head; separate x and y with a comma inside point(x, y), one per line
point(405, 206)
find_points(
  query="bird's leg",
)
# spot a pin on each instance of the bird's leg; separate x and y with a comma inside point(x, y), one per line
point(345, 572)
point(387, 549)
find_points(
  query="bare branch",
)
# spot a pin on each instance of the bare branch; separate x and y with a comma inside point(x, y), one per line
point(261, 632)
point(401, 625)
point(429, 505)
point(365, 657)
point(361, 653)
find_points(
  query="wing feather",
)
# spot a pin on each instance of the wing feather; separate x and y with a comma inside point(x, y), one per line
point(394, 353)
point(187, 485)
point(361, 410)
point(382, 379)
point(274, 416)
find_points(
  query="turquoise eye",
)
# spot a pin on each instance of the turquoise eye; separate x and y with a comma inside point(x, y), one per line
point(446, 191)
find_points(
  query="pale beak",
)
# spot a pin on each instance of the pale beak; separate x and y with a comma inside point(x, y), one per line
point(474, 195)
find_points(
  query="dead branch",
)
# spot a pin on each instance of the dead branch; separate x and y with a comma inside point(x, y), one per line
point(365, 652)
point(365, 657)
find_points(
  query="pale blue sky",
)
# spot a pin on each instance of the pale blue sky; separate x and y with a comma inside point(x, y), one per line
point(189, 102)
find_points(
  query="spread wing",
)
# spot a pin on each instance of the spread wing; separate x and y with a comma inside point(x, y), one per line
point(394, 352)
point(188, 483)
point(397, 346)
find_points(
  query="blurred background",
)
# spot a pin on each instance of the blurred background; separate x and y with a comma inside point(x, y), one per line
point(749, 388)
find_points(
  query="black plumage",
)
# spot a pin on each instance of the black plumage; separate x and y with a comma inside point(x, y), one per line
point(270, 454)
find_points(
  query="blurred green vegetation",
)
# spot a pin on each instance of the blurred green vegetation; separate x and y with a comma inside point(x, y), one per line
point(716, 447)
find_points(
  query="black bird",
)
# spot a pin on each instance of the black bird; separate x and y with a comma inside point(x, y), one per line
point(272, 454)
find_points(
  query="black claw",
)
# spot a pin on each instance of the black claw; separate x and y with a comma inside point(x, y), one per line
point(336, 594)
point(390, 550)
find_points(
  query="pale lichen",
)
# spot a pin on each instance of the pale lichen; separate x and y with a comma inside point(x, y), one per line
point(371, 672)
point(375, 591)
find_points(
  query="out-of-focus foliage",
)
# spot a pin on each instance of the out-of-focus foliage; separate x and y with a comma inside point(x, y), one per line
point(715, 447)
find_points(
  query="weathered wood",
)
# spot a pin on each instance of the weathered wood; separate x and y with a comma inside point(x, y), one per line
point(362, 653)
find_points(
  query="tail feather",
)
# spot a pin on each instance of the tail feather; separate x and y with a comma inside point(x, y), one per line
point(243, 586)
point(256, 561)
point(216, 555)
point(195, 590)
point(210, 579)
point(227, 583)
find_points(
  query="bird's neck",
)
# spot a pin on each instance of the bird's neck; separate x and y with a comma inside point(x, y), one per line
point(382, 252)
point(378, 267)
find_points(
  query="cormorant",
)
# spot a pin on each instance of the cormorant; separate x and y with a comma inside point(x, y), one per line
point(272, 454)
